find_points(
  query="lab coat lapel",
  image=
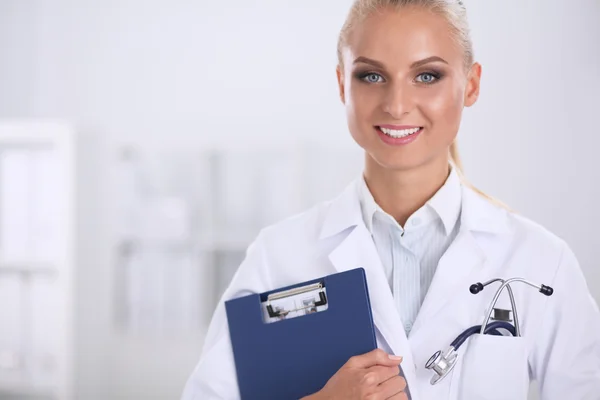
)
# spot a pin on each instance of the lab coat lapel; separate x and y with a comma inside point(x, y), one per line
point(454, 273)
point(356, 250)
point(482, 240)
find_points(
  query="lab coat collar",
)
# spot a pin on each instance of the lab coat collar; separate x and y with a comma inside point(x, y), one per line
point(343, 212)
point(477, 213)
point(445, 204)
point(481, 215)
point(447, 201)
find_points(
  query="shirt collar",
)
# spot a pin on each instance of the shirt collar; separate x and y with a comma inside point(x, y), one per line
point(445, 205)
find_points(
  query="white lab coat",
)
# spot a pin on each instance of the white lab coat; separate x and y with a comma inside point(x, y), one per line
point(560, 343)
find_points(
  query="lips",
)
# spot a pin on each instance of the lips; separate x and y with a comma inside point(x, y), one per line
point(398, 135)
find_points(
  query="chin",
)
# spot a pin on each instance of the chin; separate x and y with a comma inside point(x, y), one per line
point(402, 159)
point(397, 162)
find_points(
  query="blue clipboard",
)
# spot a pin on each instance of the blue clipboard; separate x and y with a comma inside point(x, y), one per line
point(293, 358)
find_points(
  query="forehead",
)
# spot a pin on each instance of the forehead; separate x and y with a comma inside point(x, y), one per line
point(403, 36)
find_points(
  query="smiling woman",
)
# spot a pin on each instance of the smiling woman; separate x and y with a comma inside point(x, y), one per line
point(435, 62)
point(405, 73)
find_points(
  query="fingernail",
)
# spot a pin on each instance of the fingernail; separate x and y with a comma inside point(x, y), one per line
point(395, 358)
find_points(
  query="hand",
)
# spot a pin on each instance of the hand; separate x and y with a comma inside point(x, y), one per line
point(371, 376)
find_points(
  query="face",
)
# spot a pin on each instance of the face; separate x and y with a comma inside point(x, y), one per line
point(404, 84)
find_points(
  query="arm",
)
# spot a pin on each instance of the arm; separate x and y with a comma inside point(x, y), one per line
point(566, 356)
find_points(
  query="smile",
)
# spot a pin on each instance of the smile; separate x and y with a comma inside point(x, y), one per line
point(400, 133)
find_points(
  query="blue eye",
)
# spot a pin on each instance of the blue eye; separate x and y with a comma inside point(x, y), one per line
point(427, 78)
point(372, 78)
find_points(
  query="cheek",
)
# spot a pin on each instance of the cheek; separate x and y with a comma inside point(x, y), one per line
point(361, 104)
point(442, 105)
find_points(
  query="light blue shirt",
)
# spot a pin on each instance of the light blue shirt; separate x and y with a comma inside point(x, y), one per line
point(410, 254)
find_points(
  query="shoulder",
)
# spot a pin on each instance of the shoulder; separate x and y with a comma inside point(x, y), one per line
point(539, 250)
point(300, 229)
point(549, 252)
point(298, 247)
point(536, 234)
point(323, 219)
point(530, 243)
point(486, 215)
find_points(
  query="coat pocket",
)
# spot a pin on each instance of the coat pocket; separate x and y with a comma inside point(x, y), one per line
point(494, 368)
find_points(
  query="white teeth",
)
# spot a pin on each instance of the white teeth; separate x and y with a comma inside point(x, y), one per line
point(399, 133)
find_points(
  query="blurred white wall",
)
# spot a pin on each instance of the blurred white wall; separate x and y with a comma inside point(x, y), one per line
point(260, 73)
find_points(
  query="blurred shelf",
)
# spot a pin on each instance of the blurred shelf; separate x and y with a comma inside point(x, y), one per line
point(223, 242)
point(30, 268)
point(126, 245)
point(206, 243)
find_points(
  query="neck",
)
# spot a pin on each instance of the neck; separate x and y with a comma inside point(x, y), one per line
point(400, 193)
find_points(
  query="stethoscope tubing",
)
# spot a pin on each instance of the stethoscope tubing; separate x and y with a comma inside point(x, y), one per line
point(491, 329)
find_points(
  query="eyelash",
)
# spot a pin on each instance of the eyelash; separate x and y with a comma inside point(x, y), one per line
point(436, 75)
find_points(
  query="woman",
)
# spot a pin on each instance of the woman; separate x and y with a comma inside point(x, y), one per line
point(422, 233)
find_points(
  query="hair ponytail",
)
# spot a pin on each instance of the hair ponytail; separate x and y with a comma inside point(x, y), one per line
point(457, 164)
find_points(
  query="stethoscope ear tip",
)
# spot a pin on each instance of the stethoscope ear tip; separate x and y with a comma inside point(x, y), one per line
point(546, 290)
point(476, 288)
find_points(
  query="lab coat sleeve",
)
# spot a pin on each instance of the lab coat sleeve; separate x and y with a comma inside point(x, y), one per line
point(214, 376)
point(566, 355)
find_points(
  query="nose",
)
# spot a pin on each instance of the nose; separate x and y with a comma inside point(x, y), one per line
point(398, 101)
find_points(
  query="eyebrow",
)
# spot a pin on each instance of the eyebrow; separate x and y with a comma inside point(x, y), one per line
point(416, 64)
point(428, 60)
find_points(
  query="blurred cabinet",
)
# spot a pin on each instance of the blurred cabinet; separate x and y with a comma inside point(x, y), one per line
point(36, 260)
point(186, 216)
point(177, 219)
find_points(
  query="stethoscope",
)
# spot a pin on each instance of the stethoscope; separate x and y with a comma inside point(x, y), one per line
point(443, 363)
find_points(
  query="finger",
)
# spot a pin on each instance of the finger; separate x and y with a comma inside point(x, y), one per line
point(392, 387)
point(384, 373)
point(399, 396)
point(375, 357)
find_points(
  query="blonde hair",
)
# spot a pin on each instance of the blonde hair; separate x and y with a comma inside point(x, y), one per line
point(452, 10)
point(455, 13)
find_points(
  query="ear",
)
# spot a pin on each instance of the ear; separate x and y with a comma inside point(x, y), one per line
point(473, 85)
point(340, 79)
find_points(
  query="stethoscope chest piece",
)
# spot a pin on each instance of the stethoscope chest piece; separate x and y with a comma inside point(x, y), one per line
point(442, 364)
point(502, 315)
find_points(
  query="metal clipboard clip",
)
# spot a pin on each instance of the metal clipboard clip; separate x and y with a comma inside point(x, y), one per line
point(293, 292)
